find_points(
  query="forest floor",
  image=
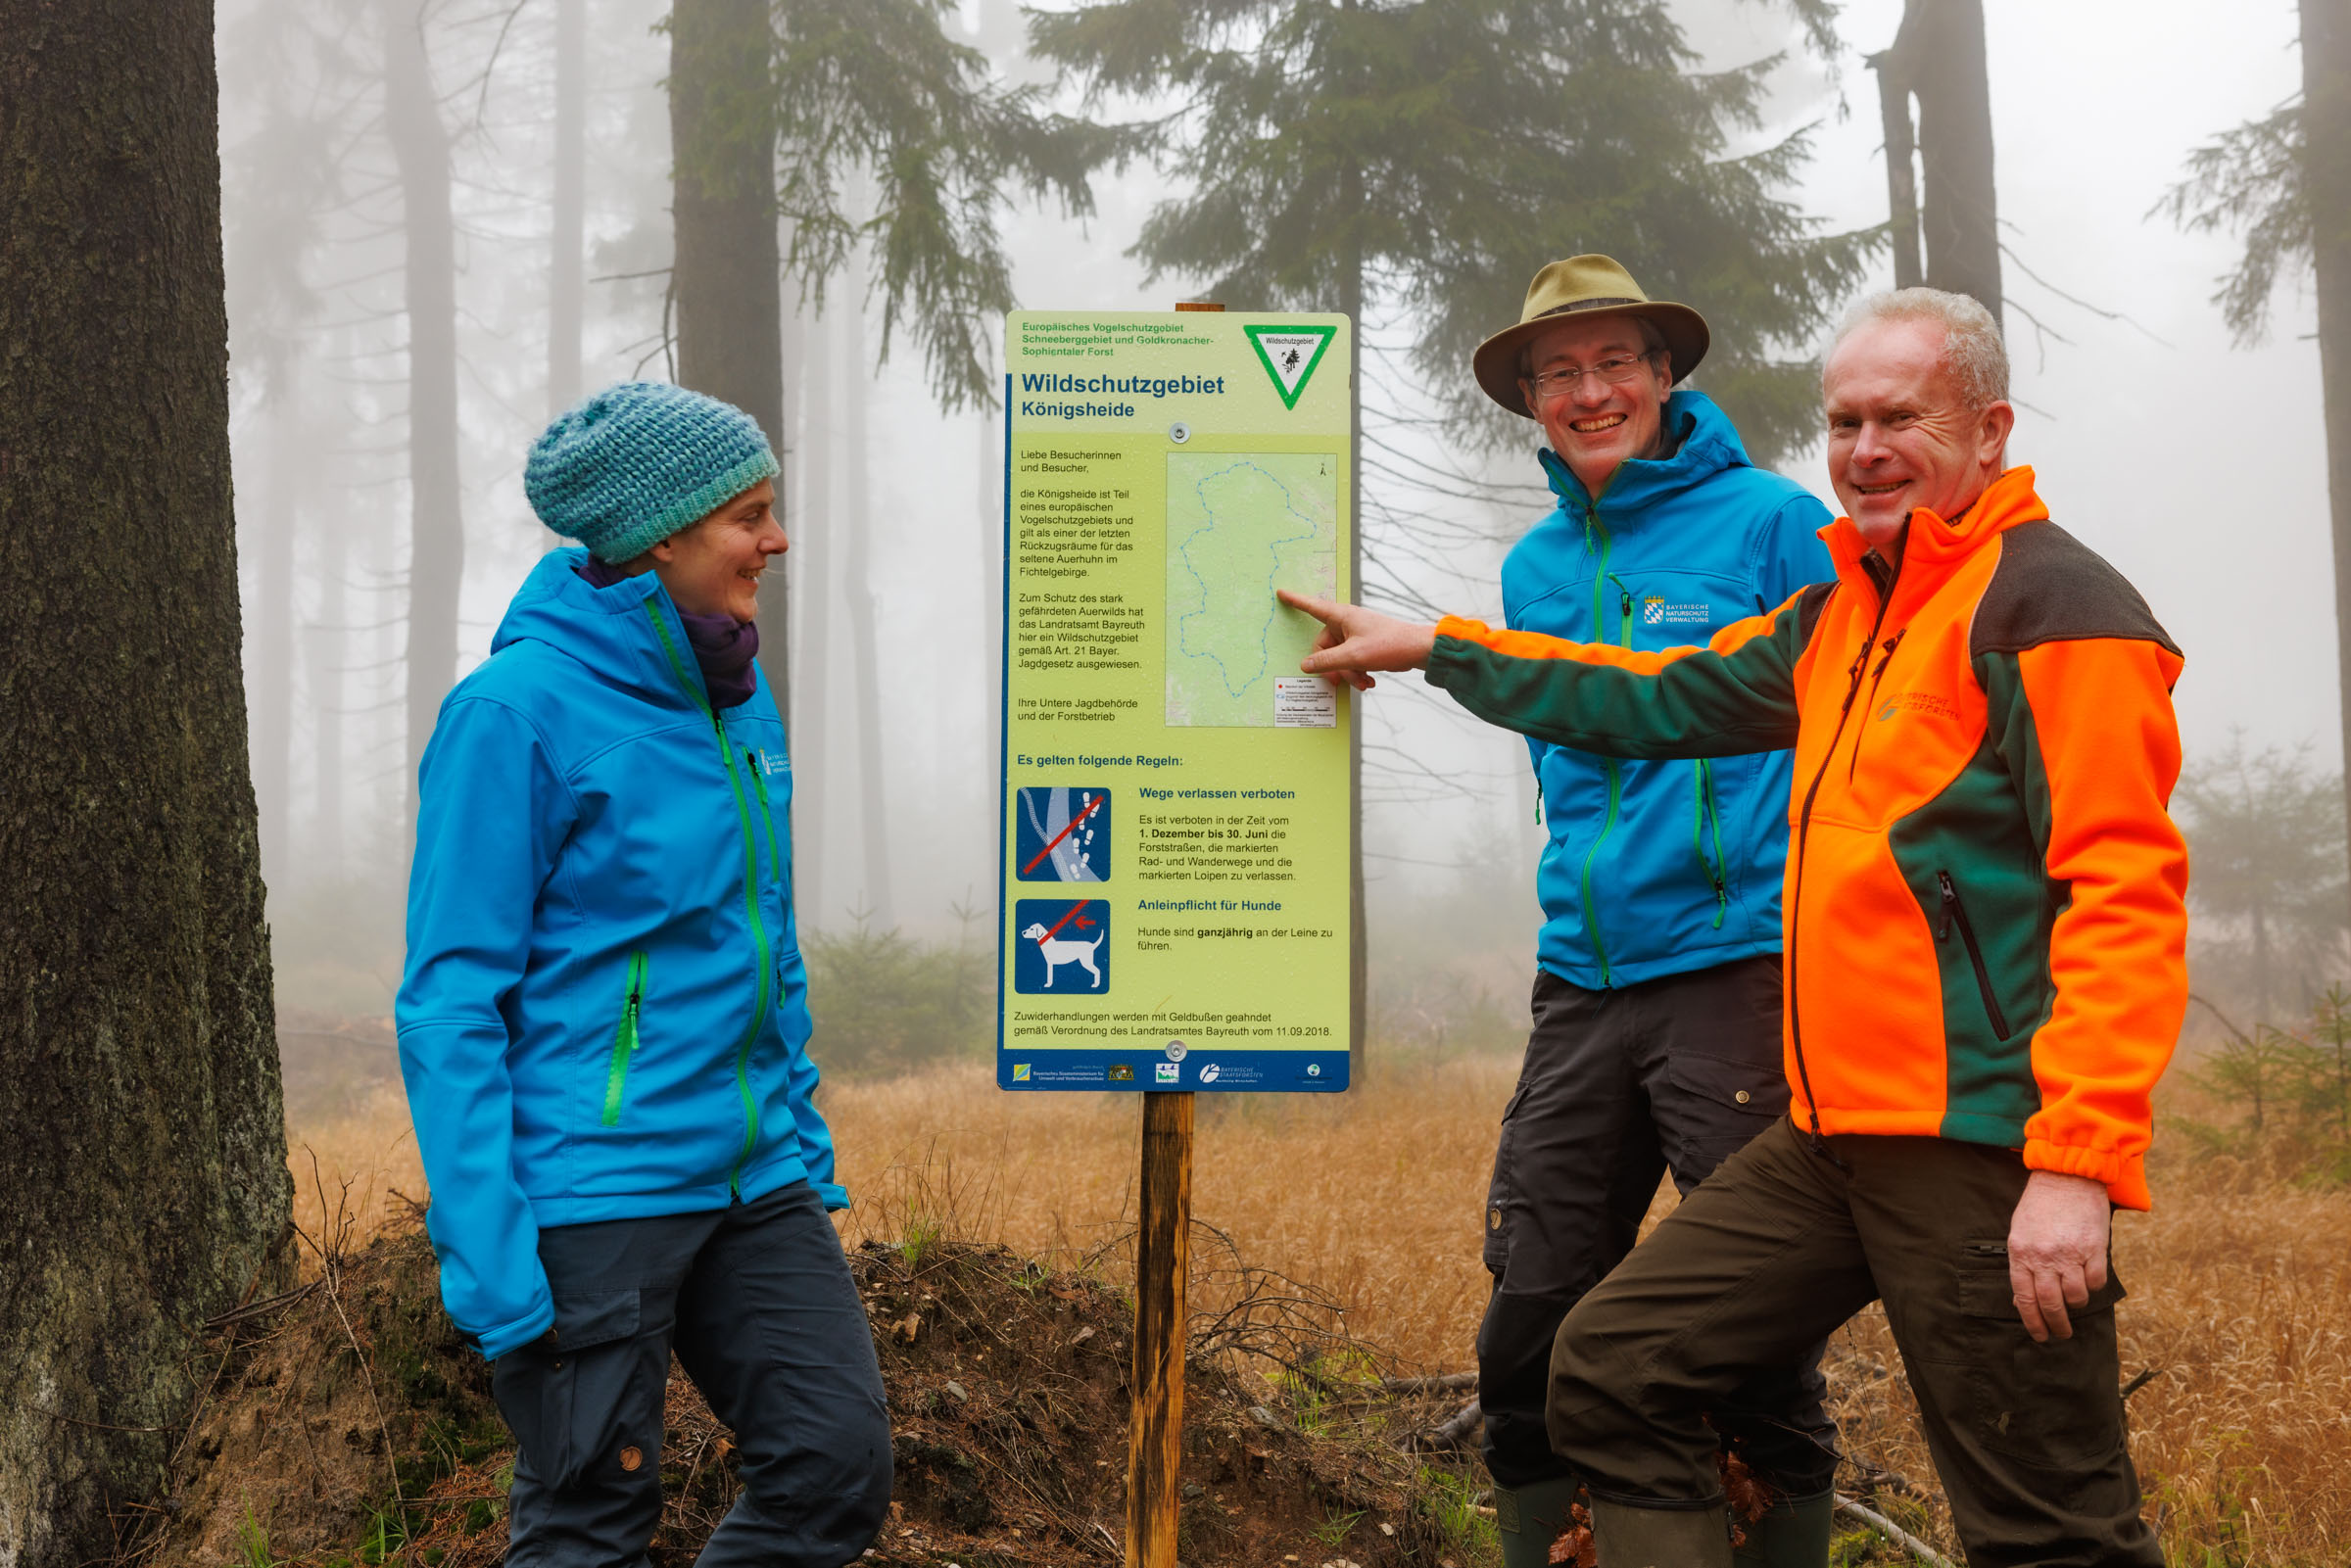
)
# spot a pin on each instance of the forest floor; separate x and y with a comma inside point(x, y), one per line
point(1336, 1255)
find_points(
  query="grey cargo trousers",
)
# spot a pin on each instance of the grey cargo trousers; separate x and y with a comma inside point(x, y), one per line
point(1620, 1086)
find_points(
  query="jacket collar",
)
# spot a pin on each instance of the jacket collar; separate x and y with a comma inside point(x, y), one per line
point(1706, 444)
point(1933, 546)
point(606, 629)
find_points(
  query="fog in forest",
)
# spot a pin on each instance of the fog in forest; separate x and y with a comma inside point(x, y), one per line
point(416, 283)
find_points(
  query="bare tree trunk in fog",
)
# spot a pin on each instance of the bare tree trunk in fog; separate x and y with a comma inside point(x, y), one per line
point(992, 544)
point(814, 535)
point(729, 266)
point(327, 649)
point(2327, 178)
point(1938, 57)
point(436, 516)
point(856, 531)
point(273, 637)
point(1901, 168)
point(569, 243)
point(142, 1143)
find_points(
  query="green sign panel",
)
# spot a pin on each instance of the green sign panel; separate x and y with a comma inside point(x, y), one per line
point(1175, 833)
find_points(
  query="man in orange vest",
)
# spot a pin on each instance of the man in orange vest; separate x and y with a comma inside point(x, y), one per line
point(1985, 947)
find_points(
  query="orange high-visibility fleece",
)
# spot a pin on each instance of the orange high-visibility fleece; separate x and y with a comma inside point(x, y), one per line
point(1985, 897)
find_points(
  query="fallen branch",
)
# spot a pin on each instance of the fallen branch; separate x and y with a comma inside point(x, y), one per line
point(1451, 1432)
point(1429, 1385)
point(1893, 1532)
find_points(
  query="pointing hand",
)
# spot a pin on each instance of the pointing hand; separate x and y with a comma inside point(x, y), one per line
point(1356, 641)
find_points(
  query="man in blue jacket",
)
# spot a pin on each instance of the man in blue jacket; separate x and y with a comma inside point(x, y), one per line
point(603, 1024)
point(1656, 1044)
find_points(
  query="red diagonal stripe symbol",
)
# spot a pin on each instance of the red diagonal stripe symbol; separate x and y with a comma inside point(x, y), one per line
point(1064, 833)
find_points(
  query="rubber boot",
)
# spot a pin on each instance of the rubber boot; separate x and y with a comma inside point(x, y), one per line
point(1793, 1534)
point(1660, 1537)
point(1530, 1518)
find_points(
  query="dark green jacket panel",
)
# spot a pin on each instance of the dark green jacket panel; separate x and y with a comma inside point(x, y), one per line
point(1698, 705)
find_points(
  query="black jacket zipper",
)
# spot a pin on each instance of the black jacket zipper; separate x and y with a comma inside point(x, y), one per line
point(1855, 761)
point(1803, 833)
point(1953, 910)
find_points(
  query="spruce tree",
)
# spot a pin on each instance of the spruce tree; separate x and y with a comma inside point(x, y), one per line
point(1433, 155)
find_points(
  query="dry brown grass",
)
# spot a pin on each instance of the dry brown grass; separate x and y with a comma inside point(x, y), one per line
point(2240, 1281)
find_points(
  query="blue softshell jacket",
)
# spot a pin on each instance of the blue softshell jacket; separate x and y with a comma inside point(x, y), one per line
point(1660, 868)
point(604, 1013)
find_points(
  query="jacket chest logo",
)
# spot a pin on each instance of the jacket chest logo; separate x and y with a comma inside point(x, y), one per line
point(1926, 702)
point(1658, 610)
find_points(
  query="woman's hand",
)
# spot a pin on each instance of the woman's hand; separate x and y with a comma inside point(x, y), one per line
point(1356, 641)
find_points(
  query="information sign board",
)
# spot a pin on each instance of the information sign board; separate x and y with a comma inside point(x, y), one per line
point(1164, 474)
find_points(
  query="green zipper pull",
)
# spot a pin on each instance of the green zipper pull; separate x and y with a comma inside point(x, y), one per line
point(625, 1039)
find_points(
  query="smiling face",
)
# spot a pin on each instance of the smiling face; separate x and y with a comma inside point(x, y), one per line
point(711, 566)
point(1597, 425)
point(1900, 433)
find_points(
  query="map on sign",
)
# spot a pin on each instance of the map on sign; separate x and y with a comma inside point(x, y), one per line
point(1240, 525)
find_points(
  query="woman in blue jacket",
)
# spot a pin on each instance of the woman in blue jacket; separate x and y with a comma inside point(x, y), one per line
point(603, 1022)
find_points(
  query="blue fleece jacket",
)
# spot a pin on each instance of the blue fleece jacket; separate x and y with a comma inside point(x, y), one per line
point(604, 1013)
point(1659, 868)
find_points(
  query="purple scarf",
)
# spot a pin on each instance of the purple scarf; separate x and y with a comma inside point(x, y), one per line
point(724, 646)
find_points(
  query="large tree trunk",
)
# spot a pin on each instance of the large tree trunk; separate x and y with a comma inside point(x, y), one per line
point(436, 518)
point(856, 532)
point(1938, 57)
point(142, 1151)
point(567, 241)
point(2326, 175)
point(729, 266)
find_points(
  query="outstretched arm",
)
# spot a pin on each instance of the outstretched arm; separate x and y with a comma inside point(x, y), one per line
point(1736, 695)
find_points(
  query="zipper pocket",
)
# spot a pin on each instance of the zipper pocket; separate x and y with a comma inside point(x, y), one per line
point(1955, 912)
point(625, 1038)
point(1717, 871)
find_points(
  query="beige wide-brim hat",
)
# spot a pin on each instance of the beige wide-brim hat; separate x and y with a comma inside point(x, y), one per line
point(1583, 285)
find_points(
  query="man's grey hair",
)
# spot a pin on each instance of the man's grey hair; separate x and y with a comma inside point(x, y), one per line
point(1972, 348)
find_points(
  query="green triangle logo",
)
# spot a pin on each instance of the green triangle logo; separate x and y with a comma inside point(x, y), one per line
point(1289, 354)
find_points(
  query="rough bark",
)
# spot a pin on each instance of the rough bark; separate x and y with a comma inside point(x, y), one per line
point(1941, 53)
point(857, 595)
point(142, 1152)
point(436, 517)
point(2326, 172)
point(728, 271)
point(567, 241)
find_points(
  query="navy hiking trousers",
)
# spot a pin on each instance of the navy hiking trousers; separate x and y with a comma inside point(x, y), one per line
point(757, 1302)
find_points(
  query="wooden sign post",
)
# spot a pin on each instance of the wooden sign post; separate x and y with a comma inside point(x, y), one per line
point(1163, 1253)
point(1162, 1257)
point(1175, 834)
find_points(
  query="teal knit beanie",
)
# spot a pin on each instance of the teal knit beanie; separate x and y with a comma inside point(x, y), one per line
point(636, 462)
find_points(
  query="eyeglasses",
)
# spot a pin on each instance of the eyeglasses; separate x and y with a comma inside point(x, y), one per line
point(1613, 371)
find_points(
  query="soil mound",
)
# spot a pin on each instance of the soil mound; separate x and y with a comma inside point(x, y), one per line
point(346, 1424)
